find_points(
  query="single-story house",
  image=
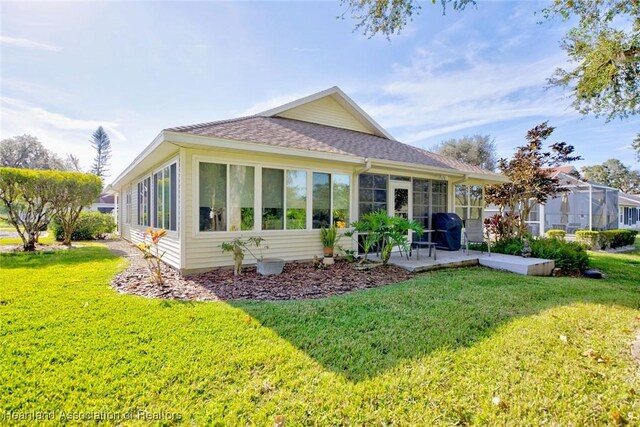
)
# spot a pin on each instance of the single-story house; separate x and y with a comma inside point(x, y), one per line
point(105, 203)
point(584, 206)
point(283, 174)
point(629, 211)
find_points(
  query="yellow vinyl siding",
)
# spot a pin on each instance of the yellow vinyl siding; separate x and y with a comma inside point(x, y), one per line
point(202, 248)
point(170, 244)
point(325, 111)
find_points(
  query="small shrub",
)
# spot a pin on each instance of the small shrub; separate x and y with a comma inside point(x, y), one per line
point(90, 225)
point(151, 253)
point(511, 246)
point(587, 238)
point(570, 257)
point(618, 238)
point(556, 234)
point(606, 239)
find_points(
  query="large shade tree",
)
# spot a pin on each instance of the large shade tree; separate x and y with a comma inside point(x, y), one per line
point(614, 173)
point(26, 151)
point(478, 150)
point(531, 182)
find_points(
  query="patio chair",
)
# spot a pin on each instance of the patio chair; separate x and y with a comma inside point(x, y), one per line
point(476, 236)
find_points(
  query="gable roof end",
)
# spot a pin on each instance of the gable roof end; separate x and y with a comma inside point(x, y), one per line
point(341, 98)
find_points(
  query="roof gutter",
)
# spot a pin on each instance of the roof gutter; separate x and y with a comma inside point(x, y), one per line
point(461, 180)
point(367, 166)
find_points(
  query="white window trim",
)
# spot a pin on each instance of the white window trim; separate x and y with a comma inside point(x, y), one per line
point(195, 176)
point(155, 190)
point(173, 234)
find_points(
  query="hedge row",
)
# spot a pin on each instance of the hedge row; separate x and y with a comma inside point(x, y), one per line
point(90, 225)
point(606, 239)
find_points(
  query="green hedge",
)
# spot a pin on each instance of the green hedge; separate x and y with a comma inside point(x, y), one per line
point(606, 239)
point(570, 257)
point(90, 225)
point(556, 234)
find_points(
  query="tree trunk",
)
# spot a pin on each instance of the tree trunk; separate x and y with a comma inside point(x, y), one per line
point(30, 244)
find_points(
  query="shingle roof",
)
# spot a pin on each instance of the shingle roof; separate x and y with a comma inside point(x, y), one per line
point(289, 133)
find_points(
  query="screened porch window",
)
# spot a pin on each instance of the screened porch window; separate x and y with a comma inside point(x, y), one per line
point(296, 200)
point(469, 205)
point(341, 197)
point(213, 197)
point(241, 198)
point(144, 207)
point(272, 199)
point(372, 193)
point(164, 198)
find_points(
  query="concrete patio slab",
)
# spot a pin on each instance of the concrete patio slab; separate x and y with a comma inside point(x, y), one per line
point(449, 259)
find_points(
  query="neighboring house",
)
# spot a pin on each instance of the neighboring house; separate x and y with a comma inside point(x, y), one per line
point(104, 204)
point(585, 206)
point(282, 175)
point(629, 211)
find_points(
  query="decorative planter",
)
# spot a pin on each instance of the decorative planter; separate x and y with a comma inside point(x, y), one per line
point(270, 266)
point(328, 260)
point(327, 252)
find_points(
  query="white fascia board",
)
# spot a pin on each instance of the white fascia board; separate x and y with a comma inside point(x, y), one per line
point(207, 141)
point(389, 164)
point(342, 98)
point(147, 150)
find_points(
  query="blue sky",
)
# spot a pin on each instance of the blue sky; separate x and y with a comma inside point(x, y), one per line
point(139, 67)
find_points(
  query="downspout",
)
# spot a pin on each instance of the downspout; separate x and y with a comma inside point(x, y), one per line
point(367, 166)
point(461, 180)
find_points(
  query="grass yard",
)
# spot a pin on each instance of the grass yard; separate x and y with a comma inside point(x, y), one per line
point(433, 350)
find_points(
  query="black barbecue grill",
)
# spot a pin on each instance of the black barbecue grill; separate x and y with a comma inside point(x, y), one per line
point(448, 231)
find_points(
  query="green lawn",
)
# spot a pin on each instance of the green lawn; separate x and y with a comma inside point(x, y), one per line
point(434, 350)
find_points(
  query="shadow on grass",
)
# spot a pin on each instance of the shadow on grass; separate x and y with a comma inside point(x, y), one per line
point(362, 334)
point(48, 258)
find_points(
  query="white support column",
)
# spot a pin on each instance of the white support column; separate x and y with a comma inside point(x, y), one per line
point(542, 219)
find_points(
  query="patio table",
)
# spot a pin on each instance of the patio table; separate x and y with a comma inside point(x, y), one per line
point(430, 244)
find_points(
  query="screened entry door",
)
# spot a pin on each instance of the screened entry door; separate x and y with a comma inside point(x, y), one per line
point(401, 201)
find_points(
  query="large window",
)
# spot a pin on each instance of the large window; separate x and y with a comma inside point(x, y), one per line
point(296, 200)
point(144, 207)
point(164, 198)
point(213, 197)
point(341, 198)
point(289, 199)
point(469, 205)
point(372, 193)
point(321, 200)
point(272, 199)
point(241, 198)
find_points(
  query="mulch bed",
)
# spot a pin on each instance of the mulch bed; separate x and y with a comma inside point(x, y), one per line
point(297, 281)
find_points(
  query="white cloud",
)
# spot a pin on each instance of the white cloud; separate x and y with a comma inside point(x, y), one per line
point(442, 90)
point(58, 132)
point(28, 44)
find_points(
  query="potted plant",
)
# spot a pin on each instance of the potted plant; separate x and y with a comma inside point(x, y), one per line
point(238, 246)
point(329, 237)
